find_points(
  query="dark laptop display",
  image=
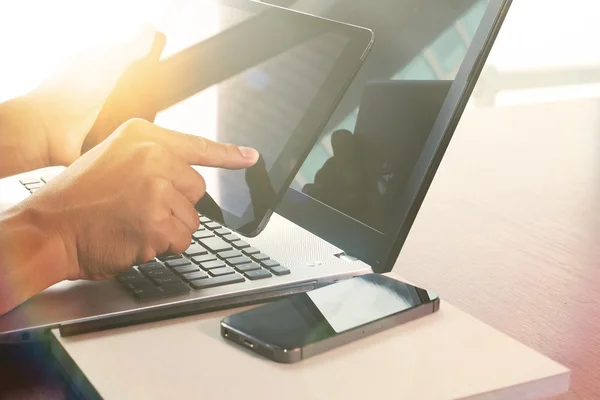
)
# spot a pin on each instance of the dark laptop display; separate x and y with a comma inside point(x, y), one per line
point(367, 175)
point(351, 205)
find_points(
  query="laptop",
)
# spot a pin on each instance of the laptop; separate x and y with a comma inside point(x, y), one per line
point(335, 221)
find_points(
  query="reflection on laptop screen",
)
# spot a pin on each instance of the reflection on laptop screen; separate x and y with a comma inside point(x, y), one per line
point(414, 40)
point(259, 107)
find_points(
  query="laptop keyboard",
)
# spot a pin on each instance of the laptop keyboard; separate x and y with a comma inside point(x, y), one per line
point(216, 257)
point(33, 184)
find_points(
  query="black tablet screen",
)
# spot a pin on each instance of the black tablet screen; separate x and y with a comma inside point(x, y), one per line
point(255, 79)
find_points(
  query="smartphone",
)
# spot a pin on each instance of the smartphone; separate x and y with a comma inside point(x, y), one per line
point(310, 323)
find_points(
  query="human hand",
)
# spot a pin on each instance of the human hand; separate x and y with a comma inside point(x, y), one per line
point(68, 103)
point(130, 198)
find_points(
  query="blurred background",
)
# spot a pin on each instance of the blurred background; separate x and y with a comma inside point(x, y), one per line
point(415, 39)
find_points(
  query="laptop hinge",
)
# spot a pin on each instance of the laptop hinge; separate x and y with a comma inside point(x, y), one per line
point(346, 257)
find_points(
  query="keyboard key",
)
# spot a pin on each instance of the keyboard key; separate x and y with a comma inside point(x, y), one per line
point(48, 177)
point(165, 257)
point(153, 265)
point(195, 275)
point(174, 288)
point(204, 220)
point(32, 186)
point(129, 278)
point(148, 292)
point(34, 190)
point(230, 238)
point(239, 244)
point(195, 250)
point(229, 254)
point(138, 284)
point(129, 275)
point(258, 274)
point(250, 250)
point(279, 270)
point(203, 234)
point(169, 289)
point(158, 273)
point(201, 259)
point(212, 264)
point(247, 267)
point(163, 280)
point(29, 180)
point(260, 257)
point(177, 262)
point(215, 244)
point(184, 269)
point(238, 260)
point(222, 231)
point(221, 271)
point(218, 281)
point(269, 263)
point(212, 225)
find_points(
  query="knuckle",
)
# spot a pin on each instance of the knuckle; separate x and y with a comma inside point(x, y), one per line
point(162, 244)
point(199, 143)
point(231, 151)
point(131, 128)
point(195, 222)
point(180, 243)
point(199, 188)
point(148, 253)
point(135, 124)
point(157, 189)
point(161, 187)
point(158, 216)
point(192, 220)
point(153, 155)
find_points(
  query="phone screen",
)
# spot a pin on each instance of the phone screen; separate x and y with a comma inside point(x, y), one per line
point(319, 314)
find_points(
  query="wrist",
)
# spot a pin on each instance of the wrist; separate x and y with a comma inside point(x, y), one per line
point(32, 257)
point(23, 138)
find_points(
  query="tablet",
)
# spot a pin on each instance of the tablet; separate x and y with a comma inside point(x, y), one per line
point(257, 75)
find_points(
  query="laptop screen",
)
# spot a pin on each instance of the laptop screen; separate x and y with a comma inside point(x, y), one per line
point(363, 183)
point(361, 170)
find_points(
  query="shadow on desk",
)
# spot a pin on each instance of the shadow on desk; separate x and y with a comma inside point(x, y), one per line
point(27, 371)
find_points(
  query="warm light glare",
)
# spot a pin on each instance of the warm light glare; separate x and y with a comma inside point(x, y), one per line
point(198, 115)
point(39, 35)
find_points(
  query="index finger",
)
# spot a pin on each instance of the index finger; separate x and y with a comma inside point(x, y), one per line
point(196, 150)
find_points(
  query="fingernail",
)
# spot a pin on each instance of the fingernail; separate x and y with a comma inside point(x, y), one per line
point(248, 152)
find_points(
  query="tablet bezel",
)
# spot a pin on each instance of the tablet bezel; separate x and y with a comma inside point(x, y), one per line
point(360, 40)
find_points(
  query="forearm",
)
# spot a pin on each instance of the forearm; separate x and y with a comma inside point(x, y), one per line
point(31, 257)
point(21, 131)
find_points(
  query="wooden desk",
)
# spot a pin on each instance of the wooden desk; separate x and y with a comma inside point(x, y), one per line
point(446, 355)
point(510, 230)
